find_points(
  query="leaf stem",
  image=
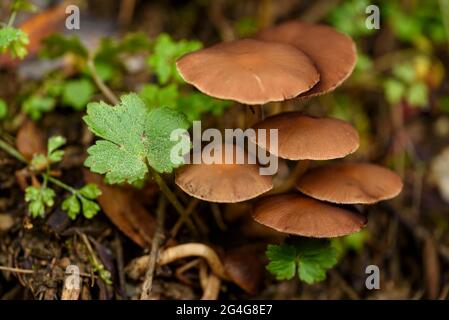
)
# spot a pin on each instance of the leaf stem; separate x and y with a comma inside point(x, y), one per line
point(171, 197)
point(12, 151)
point(59, 183)
point(100, 83)
point(12, 18)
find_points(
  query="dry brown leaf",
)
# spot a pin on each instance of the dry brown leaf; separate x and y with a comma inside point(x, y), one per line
point(30, 140)
point(125, 210)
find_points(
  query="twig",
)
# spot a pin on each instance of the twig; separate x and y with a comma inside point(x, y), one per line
point(218, 217)
point(30, 271)
point(12, 151)
point(100, 84)
point(155, 244)
point(192, 205)
point(194, 250)
point(126, 12)
point(120, 266)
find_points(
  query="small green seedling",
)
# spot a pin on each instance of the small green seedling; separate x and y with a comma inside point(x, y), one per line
point(41, 198)
point(14, 40)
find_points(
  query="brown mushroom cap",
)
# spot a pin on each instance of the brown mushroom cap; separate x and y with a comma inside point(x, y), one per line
point(223, 182)
point(350, 183)
point(304, 216)
point(333, 53)
point(249, 71)
point(303, 137)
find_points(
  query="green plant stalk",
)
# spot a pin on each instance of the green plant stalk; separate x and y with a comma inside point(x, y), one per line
point(171, 197)
point(12, 151)
point(16, 154)
point(12, 18)
point(444, 6)
point(100, 83)
point(59, 183)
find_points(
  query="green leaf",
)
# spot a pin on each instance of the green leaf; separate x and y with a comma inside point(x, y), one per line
point(3, 109)
point(394, 90)
point(405, 72)
point(90, 191)
point(155, 96)
point(311, 258)
point(72, 206)
point(55, 142)
point(57, 45)
point(195, 104)
point(418, 94)
point(77, 93)
point(35, 106)
point(160, 123)
point(90, 208)
point(165, 53)
point(23, 5)
point(39, 162)
point(315, 257)
point(39, 199)
point(132, 137)
point(282, 261)
point(14, 40)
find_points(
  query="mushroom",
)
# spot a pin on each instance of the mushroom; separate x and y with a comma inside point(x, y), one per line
point(222, 182)
point(300, 215)
point(333, 53)
point(302, 137)
point(249, 71)
point(350, 183)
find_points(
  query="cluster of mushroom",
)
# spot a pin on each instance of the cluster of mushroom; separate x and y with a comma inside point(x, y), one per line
point(292, 60)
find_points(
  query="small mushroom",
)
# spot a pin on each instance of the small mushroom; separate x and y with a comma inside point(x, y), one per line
point(302, 137)
point(249, 71)
point(350, 183)
point(300, 215)
point(333, 53)
point(222, 182)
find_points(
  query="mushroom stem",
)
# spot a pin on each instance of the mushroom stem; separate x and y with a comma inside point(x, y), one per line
point(253, 115)
point(194, 250)
point(171, 197)
point(300, 168)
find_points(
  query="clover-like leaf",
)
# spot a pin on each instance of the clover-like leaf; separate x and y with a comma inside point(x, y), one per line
point(72, 206)
point(282, 261)
point(133, 138)
point(14, 40)
point(90, 191)
point(39, 199)
point(311, 258)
